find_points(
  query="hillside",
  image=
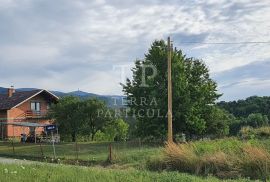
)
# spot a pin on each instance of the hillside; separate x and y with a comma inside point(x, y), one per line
point(242, 108)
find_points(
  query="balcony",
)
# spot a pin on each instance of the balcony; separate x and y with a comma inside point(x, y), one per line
point(35, 114)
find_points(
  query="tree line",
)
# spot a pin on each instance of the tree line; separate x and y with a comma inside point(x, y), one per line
point(253, 111)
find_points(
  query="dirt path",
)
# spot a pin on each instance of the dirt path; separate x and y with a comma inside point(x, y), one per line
point(15, 161)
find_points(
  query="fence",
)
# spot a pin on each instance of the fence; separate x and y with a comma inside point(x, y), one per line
point(83, 152)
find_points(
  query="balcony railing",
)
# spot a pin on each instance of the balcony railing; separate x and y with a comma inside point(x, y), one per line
point(36, 114)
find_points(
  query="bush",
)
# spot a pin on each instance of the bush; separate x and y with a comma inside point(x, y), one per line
point(100, 136)
point(263, 131)
point(247, 132)
point(250, 133)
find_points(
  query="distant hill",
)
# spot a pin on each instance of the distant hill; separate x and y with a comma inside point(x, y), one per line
point(243, 108)
point(3, 90)
point(114, 101)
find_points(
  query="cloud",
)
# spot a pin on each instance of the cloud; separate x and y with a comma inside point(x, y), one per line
point(244, 81)
point(65, 45)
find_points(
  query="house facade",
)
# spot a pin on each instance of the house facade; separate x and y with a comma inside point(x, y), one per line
point(24, 107)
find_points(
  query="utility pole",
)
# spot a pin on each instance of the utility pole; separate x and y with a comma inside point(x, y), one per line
point(170, 134)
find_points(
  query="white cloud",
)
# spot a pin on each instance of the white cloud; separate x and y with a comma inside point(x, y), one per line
point(75, 44)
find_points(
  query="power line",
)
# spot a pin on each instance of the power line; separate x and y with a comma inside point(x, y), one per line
point(221, 43)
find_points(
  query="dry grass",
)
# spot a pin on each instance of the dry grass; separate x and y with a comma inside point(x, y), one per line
point(253, 162)
point(219, 164)
point(182, 157)
point(263, 131)
point(249, 132)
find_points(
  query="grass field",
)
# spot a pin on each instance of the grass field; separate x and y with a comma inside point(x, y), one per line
point(55, 173)
point(215, 156)
point(128, 153)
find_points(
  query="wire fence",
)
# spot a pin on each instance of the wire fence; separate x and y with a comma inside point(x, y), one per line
point(83, 152)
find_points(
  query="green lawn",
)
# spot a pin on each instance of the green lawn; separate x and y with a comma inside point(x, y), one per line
point(93, 153)
point(129, 156)
point(33, 172)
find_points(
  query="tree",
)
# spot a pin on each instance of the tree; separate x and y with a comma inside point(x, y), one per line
point(116, 130)
point(193, 93)
point(243, 108)
point(84, 117)
point(219, 121)
point(93, 112)
point(68, 116)
point(257, 120)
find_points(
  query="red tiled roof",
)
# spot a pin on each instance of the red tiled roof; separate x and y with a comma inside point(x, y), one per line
point(17, 98)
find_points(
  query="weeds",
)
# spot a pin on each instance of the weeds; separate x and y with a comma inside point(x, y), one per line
point(242, 161)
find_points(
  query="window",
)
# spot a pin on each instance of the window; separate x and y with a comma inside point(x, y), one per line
point(35, 106)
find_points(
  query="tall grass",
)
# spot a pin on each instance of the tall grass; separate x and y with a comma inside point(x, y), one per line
point(62, 173)
point(255, 162)
point(249, 132)
point(241, 160)
point(182, 157)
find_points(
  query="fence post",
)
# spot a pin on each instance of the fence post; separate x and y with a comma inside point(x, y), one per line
point(13, 140)
point(77, 153)
point(13, 149)
point(140, 143)
point(41, 150)
point(54, 153)
point(110, 152)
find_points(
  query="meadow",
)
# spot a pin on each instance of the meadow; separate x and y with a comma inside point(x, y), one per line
point(132, 154)
point(227, 158)
point(59, 173)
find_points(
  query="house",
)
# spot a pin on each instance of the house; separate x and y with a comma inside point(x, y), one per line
point(24, 107)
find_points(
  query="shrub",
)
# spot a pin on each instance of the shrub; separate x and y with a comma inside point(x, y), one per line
point(250, 133)
point(263, 131)
point(247, 132)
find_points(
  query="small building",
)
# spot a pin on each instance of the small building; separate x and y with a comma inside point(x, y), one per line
point(25, 107)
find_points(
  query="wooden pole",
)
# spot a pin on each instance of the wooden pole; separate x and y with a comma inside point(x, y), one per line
point(35, 135)
point(13, 149)
point(41, 150)
point(110, 152)
point(77, 153)
point(170, 135)
point(54, 153)
point(2, 131)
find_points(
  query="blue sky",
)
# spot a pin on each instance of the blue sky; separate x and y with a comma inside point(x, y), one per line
point(65, 44)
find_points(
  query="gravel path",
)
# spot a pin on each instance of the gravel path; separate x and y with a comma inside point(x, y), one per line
point(16, 161)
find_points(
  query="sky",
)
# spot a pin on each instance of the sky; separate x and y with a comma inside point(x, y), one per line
point(67, 45)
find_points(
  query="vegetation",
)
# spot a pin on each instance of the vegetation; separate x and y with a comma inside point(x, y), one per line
point(243, 108)
point(133, 154)
point(224, 158)
point(58, 173)
point(227, 158)
point(85, 118)
point(194, 94)
point(250, 133)
point(195, 116)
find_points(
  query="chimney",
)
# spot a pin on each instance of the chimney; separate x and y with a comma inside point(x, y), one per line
point(11, 91)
